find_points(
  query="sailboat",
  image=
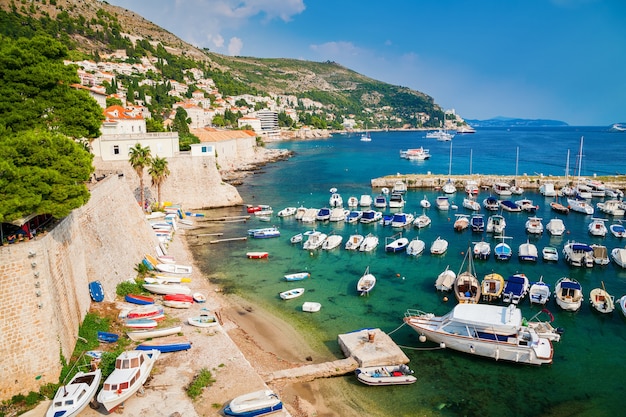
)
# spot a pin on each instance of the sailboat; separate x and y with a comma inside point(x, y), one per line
point(449, 187)
point(365, 136)
point(578, 204)
point(516, 189)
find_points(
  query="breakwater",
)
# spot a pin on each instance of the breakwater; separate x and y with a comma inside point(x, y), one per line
point(527, 182)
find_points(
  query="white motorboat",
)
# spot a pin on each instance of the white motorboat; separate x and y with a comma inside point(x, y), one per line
point(399, 187)
point(611, 207)
point(578, 254)
point(354, 216)
point(440, 135)
point(539, 292)
point(335, 200)
point(380, 201)
point(471, 204)
point(449, 187)
point(510, 206)
point(425, 203)
point(287, 211)
point(621, 302)
point(371, 216)
point(597, 227)
point(415, 154)
point(445, 280)
point(528, 252)
point(366, 283)
point(581, 206)
point(619, 256)
point(297, 276)
point(471, 188)
point(354, 241)
point(396, 243)
point(555, 227)
point(311, 306)
point(365, 200)
point(293, 293)
point(332, 241)
point(402, 219)
point(396, 200)
point(491, 203)
point(534, 225)
point(439, 246)
point(515, 288)
point(323, 214)
point(385, 375)
point(297, 238)
point(338, 214)
point(496, 224)
point(550, 254)
point(477, 223)
point(600, 254)
point(315, 240)
point(415, 247)
point(254, 404)
point(461, 223)
point(483, 330)
point(547, 189)
point(568, 294)
point(601, 300)
point(370, 242)
point(300, 211)
point(174, 268)
point(132, 368)
point(442, 203)
point(492, 287)
point(482, 250)
point(353, 201)
point(421, 221)
point(502, 189)
point(73, 397)
point(617, 230)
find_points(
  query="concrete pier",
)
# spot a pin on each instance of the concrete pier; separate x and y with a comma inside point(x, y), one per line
point(367, 347)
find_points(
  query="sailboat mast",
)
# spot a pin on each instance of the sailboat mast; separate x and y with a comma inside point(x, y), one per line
point(580, 159)
point(516, 164)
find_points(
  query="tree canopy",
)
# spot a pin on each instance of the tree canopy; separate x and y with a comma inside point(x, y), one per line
point(42, 173)
point(36, 90)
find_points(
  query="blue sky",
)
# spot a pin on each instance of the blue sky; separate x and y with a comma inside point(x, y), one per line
point(548, 59)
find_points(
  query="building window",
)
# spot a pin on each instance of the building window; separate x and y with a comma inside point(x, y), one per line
point(205, 149)
point(116, 149)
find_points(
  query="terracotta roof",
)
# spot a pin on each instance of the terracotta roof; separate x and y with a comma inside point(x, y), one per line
point(119, 112)
point(208, 134)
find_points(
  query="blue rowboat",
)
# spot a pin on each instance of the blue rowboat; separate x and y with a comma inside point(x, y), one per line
point(138, 299)
point(96, 291)
point(107, 337)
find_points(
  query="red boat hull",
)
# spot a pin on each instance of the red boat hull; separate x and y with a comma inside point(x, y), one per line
point(178, 297)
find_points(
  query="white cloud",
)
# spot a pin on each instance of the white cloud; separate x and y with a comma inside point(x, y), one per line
point(234, 46)
point(216, 40)
point(336, 50)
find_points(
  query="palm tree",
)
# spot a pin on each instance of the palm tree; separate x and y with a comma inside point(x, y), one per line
point(158, 171)
point(139, 158)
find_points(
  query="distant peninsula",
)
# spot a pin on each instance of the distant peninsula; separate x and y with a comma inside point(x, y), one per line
point(513, 122)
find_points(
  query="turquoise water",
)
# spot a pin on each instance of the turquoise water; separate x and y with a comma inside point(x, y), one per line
point(585, 378)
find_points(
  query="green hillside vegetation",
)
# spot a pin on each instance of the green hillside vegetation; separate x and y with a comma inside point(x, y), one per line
point(91, 28)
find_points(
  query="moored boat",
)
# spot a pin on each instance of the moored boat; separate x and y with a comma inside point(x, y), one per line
point(297, 276)
point(578, 254)
point(482, 250)
point(484, 330)
point(492, 287)
point(619, 256)
point(370, 242)
point(311, 306)
point(385, 375)
point(445, 280)
point(257, 255)
point(415, 247)
point(354, 241)
point(515, 288)
point(466, 286)
point(293, 293)
point(366, 283)
point(539, 292)
point(601, 300)
point(439, 246)
point(568, 294)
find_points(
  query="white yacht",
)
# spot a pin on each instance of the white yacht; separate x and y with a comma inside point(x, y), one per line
point(556, 227)
point(503, 189)
point(485, 330)
point(534, 225)
point(612, 207)
point(442, 203)
point(365, 200)
point(581, 206)
point(578, 254)
point(597, 227)
point(396, 200)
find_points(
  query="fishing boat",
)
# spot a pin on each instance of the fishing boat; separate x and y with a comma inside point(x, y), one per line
point(502, 251)
point(254, 404)
point(534, 225)
point(396, 243)
point(385, 375)
point(297, 276)
point(619, 256)
point(600, 254)
point(559, 208)
point(597, 227)
point(332, 241)
point(422, 221)
point(601, 300)
point(484, 330)
point(366, 283)
point(132, 368)
point(166, 344)
point(72, 398)
point(257, 255)
point(515, 288)
point(539, 292)
point(466, 285)
point(445, 280)
point(439, 246)
point(568, 294)
point(139, 299)
point(293, 293)
point(315, 240)
point(492, 287)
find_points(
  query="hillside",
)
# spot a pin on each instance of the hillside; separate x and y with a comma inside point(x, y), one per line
point(93, 28)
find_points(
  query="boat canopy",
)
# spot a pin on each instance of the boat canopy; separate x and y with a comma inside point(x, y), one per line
point(581, 247)
point(570, 285)
point(496, 318)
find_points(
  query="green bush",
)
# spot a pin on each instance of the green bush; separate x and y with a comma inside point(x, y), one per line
point(200, 381)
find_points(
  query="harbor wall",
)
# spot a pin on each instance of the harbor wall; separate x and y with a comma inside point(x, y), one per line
point(44, 282)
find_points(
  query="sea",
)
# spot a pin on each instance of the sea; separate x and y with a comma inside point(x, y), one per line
point(586, 377)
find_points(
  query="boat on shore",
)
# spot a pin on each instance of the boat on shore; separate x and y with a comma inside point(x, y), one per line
point(484, 330)
point(72, 398)
point(254, 404)
point(137, 335)
point(166, 344)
